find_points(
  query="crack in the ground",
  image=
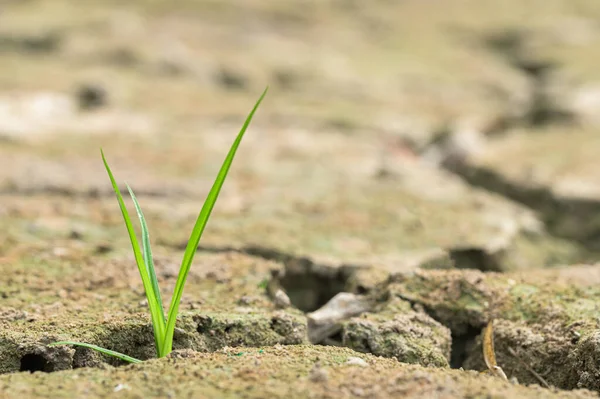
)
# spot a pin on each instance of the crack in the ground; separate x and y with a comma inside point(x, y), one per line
point(460, 346)
point(199, 332)
point(34, 362)
point(512, 46)
point(461, 339)
point(567, 218)
point(59, 191)
point(308, 284)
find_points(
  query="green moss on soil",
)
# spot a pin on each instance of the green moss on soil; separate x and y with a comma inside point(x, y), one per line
point(552, 327)
point(470, 298)
point(399, 332)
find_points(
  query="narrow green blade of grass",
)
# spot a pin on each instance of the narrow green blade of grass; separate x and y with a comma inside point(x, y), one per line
point(147, 252)
point(156, 314)
point(99, 349)
point(197, 231)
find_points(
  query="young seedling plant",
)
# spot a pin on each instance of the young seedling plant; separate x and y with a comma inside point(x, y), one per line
point(164, 326)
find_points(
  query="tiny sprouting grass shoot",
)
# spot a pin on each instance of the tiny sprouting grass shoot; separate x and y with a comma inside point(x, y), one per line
point(164, 326)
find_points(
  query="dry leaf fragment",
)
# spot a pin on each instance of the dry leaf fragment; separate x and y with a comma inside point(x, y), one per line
point(489, 354)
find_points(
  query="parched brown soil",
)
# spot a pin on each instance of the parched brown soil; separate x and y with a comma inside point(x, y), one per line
point(435, 161)
point(275, 372)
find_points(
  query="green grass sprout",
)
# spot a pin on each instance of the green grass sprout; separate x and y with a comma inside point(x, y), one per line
point(164, 326)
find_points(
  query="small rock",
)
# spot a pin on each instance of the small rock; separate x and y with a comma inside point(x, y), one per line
point(281, 300)
point(120, 387)
point(324, 322)
point(357, 361)
point(182, 354)
point(246, 300)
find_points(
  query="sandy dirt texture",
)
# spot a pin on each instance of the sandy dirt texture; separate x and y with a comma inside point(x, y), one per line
point(275, 372)
point(416, 170)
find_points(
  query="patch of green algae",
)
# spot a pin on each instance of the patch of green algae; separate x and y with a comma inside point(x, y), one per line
point(274, 372)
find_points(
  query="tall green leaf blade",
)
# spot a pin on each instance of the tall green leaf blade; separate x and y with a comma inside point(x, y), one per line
point(197, 231)
point(147, 252)
point(99, 349)
point(155, 312)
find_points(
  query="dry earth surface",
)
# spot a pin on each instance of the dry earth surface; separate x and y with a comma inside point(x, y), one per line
point(417, 169)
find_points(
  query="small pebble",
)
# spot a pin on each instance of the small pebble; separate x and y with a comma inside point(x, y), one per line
point(281, 300)
point(357, 361)
point(120, 387)
point(317, 374)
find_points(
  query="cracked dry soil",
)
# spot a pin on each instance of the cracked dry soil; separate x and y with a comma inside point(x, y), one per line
point(416, 171)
